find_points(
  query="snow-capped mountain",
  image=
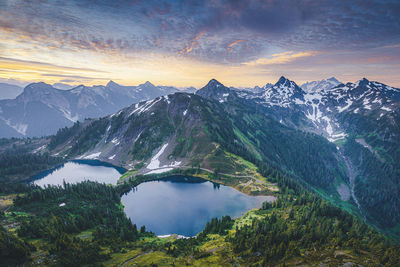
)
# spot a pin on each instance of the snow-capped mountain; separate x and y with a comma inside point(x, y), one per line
point(322, 85)
point(42, 109)
point(321, 109)
point(283, 93)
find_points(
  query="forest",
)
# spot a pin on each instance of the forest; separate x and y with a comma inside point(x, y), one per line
point(298, 222)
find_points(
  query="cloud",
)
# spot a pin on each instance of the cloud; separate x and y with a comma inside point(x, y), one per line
point(392, 46)
point(229, 47)
point(210, 32)
point(170, 27)
point(78, 77)
point(193, 42)
point(13, 63)
point(281, 58)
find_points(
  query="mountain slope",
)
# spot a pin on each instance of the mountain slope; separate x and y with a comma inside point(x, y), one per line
point(362, 119)
point(184, 130)
point(9, 91)
point(23, 116)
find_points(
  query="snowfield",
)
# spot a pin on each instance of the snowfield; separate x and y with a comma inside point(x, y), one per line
point(155, 162)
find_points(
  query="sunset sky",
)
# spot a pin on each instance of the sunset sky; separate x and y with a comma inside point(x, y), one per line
point(186, 43)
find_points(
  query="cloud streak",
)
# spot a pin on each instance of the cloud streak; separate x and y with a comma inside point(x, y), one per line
point(282, 58)
point(13, 63)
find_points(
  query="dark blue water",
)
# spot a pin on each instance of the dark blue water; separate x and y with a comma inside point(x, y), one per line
point(78, 171)
point(184, 205)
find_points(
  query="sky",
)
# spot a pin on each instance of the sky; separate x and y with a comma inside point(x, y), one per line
point(182, 43)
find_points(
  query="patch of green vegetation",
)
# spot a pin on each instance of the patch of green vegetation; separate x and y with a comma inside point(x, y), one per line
point(127, 174)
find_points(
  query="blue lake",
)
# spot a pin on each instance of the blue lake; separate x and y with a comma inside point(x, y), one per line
point(183, 205)
point(78, 171)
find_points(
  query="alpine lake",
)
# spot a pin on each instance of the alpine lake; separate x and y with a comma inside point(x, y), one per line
point(172, 205)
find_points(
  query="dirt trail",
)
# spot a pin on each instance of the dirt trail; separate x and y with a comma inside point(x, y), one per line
point(131, 259)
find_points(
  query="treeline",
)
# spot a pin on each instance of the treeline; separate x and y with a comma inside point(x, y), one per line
point(63, 134)
point(62, 212)
point(306, 223)
point(217, 226)
point(23, 165)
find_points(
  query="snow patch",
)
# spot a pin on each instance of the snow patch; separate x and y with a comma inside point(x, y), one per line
point(93, 156)
point(184, 113)
point(115, 141)
point(155, 162)
point(348, 104)
point(19, 127)
point(328, 128)
point(175, 164)
point(386, 108)
point(38, 149)
point(336, 137)
point(134, 141)
point(112, 157)
point(68, 116)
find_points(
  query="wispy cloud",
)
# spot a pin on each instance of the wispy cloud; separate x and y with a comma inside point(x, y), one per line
point(19, 64)
point(77, 77)
point(193, 42)
point(281, 58)
point(392, 46)
point(229, 47)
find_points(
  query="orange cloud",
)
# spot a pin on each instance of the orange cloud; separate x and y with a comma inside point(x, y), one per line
point(281, 58)
point(193, 43)
point(229, 47)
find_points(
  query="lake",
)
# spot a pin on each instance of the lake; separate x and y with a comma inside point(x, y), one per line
point(79, 170)
point(183, 205)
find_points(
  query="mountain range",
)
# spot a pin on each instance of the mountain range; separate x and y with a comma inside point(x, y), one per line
point(42, 109)
point(342, 142)
point(318, 153)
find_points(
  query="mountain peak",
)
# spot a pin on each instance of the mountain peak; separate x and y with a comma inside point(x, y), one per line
point(363, 82)
point(147, 83)
point(215, 90)
point(111, 83)
point(333, 79)
point(214, 83)
point(282, 80)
